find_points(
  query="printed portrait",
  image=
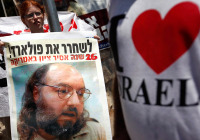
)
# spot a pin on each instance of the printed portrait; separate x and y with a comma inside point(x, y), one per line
point(59, 101)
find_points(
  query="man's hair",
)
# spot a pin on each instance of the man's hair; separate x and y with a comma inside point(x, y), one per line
point(27, 125)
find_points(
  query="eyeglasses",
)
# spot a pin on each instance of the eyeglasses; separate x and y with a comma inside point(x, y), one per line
point(66, 91)
point(31, 15)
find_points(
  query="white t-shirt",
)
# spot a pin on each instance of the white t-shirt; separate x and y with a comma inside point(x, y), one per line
point(156, 46)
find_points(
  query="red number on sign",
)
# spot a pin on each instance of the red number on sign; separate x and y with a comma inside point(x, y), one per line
point(91, 57)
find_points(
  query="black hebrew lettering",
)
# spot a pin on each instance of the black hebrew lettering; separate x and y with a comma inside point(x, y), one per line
point(49, 49)
point(28, 49)
point(30, 46)
point(70, 47)
point(83, 47)
point(65, 48)
point(18, 50)
point(161, 92)
point(78, 47)
point(90, 44)
point(24, 49)
point(56, 48)
point(75, 48)
point(13, 50)
point(40, 48)
point(34, 48)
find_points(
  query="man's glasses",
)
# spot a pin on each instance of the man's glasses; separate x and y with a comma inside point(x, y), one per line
point(31, 15)
point(66, 91)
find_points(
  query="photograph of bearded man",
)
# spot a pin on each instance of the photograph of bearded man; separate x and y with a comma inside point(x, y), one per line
point(53, 106)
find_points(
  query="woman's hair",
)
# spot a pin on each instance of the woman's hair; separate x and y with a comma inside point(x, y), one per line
point(25, 6)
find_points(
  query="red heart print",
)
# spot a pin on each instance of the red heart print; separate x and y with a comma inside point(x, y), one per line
point(161, 42)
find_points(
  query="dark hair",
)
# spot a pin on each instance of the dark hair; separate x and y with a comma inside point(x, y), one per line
point(25, 6)
point(27, 122)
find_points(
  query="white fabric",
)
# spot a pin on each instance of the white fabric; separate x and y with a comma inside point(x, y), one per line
point(68, 21)
point(160, 97)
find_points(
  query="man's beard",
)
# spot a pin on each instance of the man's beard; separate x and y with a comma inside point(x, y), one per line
point(47, 121)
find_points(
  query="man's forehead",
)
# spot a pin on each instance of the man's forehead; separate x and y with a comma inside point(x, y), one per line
point(63, 71)
point(62, 67)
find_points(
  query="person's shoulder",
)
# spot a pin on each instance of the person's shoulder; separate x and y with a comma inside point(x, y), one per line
point(92, 131)
point(93, 123)
point(95, 128)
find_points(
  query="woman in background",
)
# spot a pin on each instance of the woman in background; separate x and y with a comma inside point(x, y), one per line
point(32, 14)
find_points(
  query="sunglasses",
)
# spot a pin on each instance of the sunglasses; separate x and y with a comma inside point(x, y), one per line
point(31, 15)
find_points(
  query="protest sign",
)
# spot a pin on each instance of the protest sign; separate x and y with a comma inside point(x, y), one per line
point(57, 52)
point(94, 12)
point(68, 22)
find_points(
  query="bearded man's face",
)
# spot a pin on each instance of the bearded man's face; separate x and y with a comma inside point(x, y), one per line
point(48, 121)
point(56, 115)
